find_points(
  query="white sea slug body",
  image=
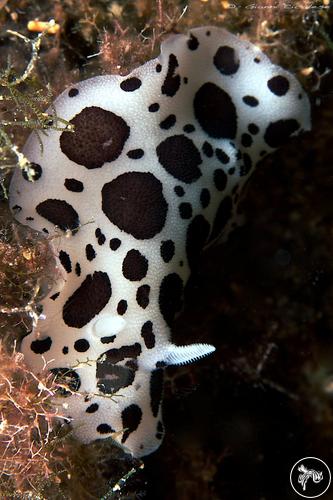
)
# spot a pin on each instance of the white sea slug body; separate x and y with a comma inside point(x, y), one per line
point(151, 176)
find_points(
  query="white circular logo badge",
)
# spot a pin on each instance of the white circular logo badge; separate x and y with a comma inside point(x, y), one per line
point(310, 477)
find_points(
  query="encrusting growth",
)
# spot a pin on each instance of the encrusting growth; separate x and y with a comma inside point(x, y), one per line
point(151, 175)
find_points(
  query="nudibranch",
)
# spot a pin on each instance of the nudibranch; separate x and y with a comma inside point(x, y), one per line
point(150, 176)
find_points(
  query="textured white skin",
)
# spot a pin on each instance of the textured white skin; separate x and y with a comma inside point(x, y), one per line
point(104, 92)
